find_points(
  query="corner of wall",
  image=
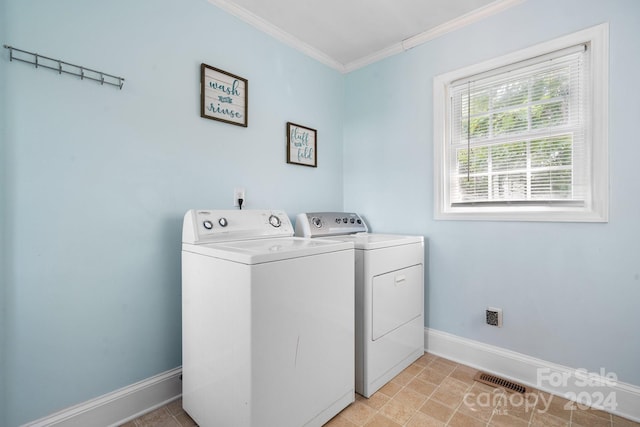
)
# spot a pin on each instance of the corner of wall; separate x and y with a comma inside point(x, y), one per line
point(3, 239)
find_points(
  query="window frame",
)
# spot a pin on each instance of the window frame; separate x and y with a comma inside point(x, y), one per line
point(597, 207)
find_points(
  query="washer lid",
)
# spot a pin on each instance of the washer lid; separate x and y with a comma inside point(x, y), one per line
point(368, 241)
point(268, 250)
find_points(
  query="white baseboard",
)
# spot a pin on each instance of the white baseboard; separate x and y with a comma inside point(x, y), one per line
point(119, 406)
point(599, 390)
point(130, 402)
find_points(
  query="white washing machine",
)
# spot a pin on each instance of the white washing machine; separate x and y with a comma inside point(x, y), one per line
point(389, 295)
point(267, 321)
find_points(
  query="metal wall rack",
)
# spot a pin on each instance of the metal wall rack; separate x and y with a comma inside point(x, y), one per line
point(64, 67)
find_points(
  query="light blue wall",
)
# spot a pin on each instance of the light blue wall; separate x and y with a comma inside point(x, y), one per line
point(98, 180)
point(569, 292)
point(94, 182)
point(3, 240)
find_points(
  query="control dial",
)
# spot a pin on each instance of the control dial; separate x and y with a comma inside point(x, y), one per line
point(223, 222)
point(207, 224)
point(275, 221)
point(316, 221)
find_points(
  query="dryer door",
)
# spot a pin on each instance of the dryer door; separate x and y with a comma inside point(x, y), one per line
point(397, 298)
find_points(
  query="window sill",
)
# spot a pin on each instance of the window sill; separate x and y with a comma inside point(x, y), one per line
point(539, 214)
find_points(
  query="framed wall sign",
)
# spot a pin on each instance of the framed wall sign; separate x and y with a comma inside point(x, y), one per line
point(223, 96)
point(301, 145)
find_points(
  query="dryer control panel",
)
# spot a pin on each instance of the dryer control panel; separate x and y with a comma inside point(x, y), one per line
point(208, 226)
point(323, 224)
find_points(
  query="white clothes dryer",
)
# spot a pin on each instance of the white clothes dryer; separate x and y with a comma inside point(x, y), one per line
point(267, 321)
point(389, 297)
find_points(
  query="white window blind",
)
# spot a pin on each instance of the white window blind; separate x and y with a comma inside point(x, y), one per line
point(518, 133)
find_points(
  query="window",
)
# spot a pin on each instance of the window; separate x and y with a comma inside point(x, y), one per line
point(524, 137)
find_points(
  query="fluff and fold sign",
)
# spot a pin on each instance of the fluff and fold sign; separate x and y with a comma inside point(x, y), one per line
point(223, 96)
point(302, 145)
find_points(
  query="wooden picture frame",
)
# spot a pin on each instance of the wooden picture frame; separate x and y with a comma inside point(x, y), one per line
point(302, 145)
point(223, 96)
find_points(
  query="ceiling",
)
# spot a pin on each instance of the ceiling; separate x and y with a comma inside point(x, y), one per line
point(348, 34)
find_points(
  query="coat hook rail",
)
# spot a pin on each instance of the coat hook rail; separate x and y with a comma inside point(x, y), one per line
point(64, 67)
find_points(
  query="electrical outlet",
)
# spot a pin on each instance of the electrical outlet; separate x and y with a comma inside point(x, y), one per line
point(494, 316)
point(238, 193)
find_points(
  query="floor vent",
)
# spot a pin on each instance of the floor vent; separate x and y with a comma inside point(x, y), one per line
point(494, 381)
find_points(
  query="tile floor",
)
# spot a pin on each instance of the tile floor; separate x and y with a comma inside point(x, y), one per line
point(437, 392)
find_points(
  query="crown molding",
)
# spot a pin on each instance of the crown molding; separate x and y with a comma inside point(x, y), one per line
point(455, 24)
point(374, 57)
point(461, 22)
point(277, 33)
point(288, 39)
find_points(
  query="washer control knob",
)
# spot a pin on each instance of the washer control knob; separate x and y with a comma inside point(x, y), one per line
point(275, 221)
point(207, 224)
point(316, 221)
point(223, 222)
point(344, 220)
point(352, 220)
point(359, 221)
point(337, 220)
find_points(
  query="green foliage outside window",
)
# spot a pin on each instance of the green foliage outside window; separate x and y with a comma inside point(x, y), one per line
point(516, 168)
